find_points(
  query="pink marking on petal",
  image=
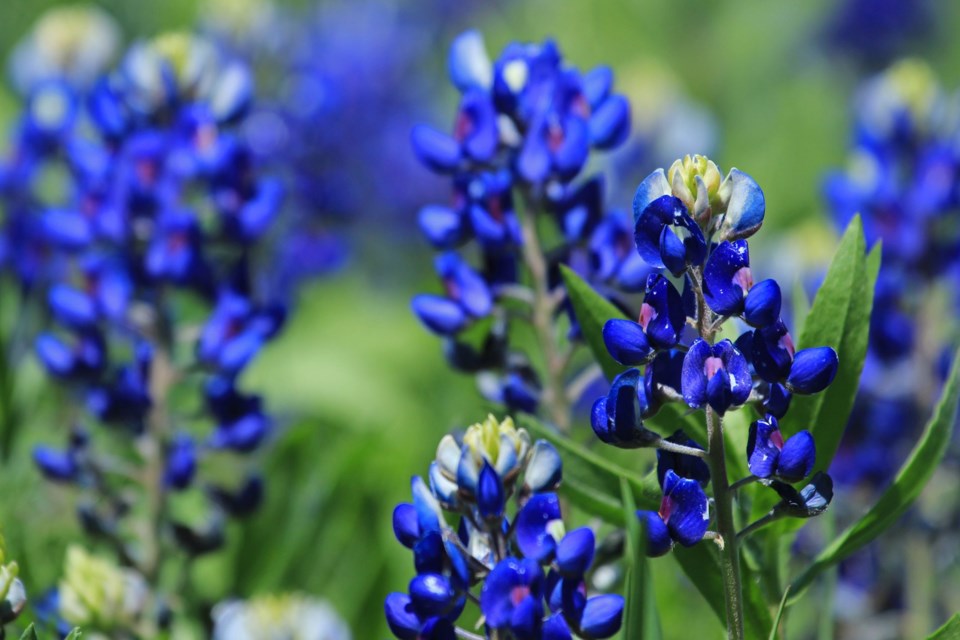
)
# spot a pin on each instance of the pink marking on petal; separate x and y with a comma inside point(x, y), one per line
point(463, 127)
point(711, 366)
point(744, 279)
point(666, 508)
point(777, 439)
point(647, 313)
point(451, 288)
point(786, 343)
point(518, 593)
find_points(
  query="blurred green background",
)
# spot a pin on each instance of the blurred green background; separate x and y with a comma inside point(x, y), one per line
point(363, 390)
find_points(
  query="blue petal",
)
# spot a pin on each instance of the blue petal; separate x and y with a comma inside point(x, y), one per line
point(544, 468)
point(527, 618)
point(813, 370)
point(666, 324)
point(763, 452)
point(673, 252)
point(468, 62)
point(56, 356)
point(687, 507)
point(601, 616)
point(649, 226)
point(721, 288)
point(555, 628)
point(429, 515)
point(440, 315)
point(719, 392)
point(71, 306)
point(771, 352)
point(624, 412)
point(490, 495)
point(57, 465)
point(777, 401)
point(597, 84)
point(738, 369)
point(496, 598)
point(683, 465)
point(693, 376)
point(575, 552)
point(442, 226)
point(658, 540)
point(405, 526)
point(572, 153)
point(436, 150)
point(431, 595)
point(762, 306)
point(443, 488)
point(626, 342)
point(610, 123)
point(653, 187)
point(745, 207)
point(797, 458)
point(401, 619)
point(533, 538)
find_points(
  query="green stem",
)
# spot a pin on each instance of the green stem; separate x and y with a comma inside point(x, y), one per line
point(544, 304)
point(730, 552)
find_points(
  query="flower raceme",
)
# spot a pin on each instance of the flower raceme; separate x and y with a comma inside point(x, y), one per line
point(527, 575)
point(694, 225)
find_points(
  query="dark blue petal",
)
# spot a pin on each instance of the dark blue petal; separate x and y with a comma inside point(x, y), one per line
point(429, 553)
point(662, 316)
point(626, 342)
point(601, 616)
point(685, 509)
point(181, 462)
point(673, 252)
point(650, 223)
point(527, 618)
point(654, 186)
point(813, 370)
point(436, 150)
point(532, 522)
point(738, 370)
point(764, 443)
point(777, 401)
point(555, 628)
point(405, 526)
point(658, 540)
point(719, 392)
point(597, 84)
point(727, 278)
point(57, 465)
point(797, 458)
point(575, 552)
point(572, 153)
point(439, 314)
point(490, 494)
point(771, 351)
point(504, 588)
point(762, 306)
point(71, 306)
point(401, 619)
point(431, 595)
point(623, 410)
point(610, 123)
point(693, 376)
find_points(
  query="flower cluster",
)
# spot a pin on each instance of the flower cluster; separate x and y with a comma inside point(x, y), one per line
point(524, 572)
point(525, 128)
point(146, 265)
point(693, 224)
point(902, 178)
point(295, 616)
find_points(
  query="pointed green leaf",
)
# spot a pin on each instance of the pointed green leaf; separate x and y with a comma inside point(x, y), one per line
point(776, 621)
point(592, 311)
point(908, 484)
point(591, 482)
point(949, 631)
point(640, 619)
point(76, 634)
point(30, 633)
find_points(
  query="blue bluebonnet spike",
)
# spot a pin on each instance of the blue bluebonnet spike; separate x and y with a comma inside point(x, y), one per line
point(776, 400)
point(812, 370)
point(745, 206)
point(727, 278)
point(762, 306)
point(72, 307)
point(683, 465)
point(771, 351)
point(610, 123)
point(405, 526)
point(717, 375)
point(439, 314)
point(431, 595)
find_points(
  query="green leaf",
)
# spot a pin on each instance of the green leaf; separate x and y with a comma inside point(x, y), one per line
point(908, 484)
point(839, 317)
point(776, 621)
point(949, 631)
point(75, 634)
point(593, 483)
point(592, 312)
point(30, 633)
point(640, 620)
point(801, 305)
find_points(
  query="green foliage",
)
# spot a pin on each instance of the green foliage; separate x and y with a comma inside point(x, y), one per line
point(30, 633)
point(776, 621)
point(949, 631)
point(910, 481)
point(640, 619)
point(592, 311)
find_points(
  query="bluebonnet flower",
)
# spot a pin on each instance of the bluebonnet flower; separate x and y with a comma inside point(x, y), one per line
point(147, 266)
point(695, 225)
point(529, 573)
point(526, 125)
